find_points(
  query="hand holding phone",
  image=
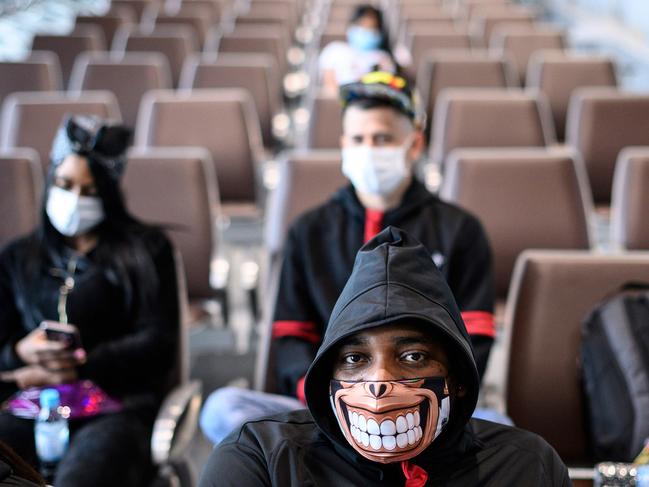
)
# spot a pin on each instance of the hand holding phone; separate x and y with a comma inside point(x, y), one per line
point(62, 333)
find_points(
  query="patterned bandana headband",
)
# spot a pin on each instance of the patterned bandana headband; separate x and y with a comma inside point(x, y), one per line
point(391, 421)
point(103, 143)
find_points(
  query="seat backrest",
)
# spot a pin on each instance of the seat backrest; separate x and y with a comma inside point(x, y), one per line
point(551, 294)
point(223, 120)
point(630, 200)
point(518, 43)
point(325, 122)
point(461, 68)
point(194, 15)
point(176, 188)
point(267, 39)
point(485, 20)
point(128, 77)
point(601, 122)
point(176, 42)
point(254, 72)
point(118, 16)
point(441, 38)
point(333, 33)
point(67, 47)
point(30, 119)
point(464, 117)
point(138, 6)
point(21, 186)
point(306, 179)
point(507, 189)
point(557, 74)
point(39, 72)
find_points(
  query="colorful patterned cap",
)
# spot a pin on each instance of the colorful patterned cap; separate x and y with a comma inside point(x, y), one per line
point(381, 85)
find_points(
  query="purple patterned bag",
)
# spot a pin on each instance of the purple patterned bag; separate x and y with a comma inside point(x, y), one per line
point(82, 399)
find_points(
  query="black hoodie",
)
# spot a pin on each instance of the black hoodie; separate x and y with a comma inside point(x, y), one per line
point(393, 280)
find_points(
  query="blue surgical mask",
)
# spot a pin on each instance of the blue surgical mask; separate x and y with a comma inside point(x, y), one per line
point(363, 39)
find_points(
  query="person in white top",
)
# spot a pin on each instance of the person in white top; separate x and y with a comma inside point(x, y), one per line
point(367, 49)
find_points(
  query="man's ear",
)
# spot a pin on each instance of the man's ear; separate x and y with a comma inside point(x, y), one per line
point(417, 146)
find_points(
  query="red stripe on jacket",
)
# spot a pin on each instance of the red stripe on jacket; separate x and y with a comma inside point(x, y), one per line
point(479, 323)
point(297, 329)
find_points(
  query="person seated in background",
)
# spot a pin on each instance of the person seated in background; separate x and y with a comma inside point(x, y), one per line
point(381, 142)
point(367, 49)
point(390, 396)
point(90, 263)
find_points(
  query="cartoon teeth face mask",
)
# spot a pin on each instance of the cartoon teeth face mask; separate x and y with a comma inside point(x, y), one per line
point(391, 421)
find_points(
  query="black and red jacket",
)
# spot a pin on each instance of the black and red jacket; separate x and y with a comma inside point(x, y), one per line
point(319, 256)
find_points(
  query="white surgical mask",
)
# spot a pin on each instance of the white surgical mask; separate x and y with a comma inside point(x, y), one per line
point(71, 214)
point(375, 170)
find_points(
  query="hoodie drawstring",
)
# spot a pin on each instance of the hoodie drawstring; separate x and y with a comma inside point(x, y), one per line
point(415, 475)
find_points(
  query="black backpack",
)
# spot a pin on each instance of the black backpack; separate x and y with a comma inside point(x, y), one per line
point(615, 361)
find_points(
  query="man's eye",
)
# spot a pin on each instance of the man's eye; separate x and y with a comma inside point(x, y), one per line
point(353, 358)
point(413, 357)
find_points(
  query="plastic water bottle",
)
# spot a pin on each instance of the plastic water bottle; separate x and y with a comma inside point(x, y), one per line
point(51, 433)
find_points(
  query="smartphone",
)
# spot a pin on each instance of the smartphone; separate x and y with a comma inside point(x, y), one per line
point(62, 332)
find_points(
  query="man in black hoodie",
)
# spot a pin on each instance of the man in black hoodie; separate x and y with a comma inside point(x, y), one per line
point(390, 396)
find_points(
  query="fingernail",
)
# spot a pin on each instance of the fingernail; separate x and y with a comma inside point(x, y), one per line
point(80, 353)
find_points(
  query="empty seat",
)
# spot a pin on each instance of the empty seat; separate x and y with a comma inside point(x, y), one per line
point(196, 17)
point(325, 122)
point(267, 39)
point(271, 11)
point(30, 119)
point(224, 121)
point(128, 77)
point(175, 42)
point(306, 179)
point(601, 122)
point(551, 294)
point(468, 117)
point(507, 189)
point(176, 188)
point(520, 43)
point(442, 38)
point(630, 200)
point(21, 185)
point(460, 68)
point(486, 19)
point(118, 16)
point(138, 6)
point(67, 47)
point(557, 74)
point(256, 73)
point(333, 33)
point(39, 72)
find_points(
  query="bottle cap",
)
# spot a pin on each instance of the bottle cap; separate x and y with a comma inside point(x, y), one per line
point(50, 398)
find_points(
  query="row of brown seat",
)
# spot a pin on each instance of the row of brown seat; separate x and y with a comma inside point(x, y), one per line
point(176, 42)
point(128, 76)
point(224, 121)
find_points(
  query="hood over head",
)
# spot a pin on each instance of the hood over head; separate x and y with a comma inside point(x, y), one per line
point(395, 280)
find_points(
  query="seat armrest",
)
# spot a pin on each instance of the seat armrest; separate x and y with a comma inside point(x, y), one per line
point(176, 422)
